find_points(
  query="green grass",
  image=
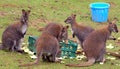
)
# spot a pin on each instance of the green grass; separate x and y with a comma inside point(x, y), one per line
point(43, 11)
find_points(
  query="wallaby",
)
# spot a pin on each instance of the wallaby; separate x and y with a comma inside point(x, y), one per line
point(54, 29)
point(95, 44)
point(80, 31)
point(13, 34)
point(47, 45)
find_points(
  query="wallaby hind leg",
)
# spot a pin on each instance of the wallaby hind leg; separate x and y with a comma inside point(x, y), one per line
point(18, 46)
point(11, 46)
point(44, 58)
point(101, 57)
point(54, 58)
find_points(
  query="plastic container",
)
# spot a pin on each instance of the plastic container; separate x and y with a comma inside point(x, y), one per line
point(31, 45)
point(68, 50)
point(99, 11)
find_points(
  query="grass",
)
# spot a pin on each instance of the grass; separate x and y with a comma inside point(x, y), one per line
point(44, 11)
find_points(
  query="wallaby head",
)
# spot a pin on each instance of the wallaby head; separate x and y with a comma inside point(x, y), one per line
point(70, 19)
point(24, 16)
point(112, 25)
point(63, 34)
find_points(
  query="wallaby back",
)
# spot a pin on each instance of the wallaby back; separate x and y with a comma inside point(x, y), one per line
point(57, 30)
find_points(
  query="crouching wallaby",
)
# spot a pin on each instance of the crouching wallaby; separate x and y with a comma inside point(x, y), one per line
point(95, 44)
point(60, 32)
point(80, 31)
point(47, 45)
point(13, 34)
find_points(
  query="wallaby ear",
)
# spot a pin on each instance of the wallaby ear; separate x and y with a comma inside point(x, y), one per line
point(29, 11)
point(109, 21)
point(23, 11)
point(63, 29)
point(115, 20)
point(41, 29)
point(74, 15)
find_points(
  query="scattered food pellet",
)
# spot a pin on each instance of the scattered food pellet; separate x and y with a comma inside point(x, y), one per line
point(101, 63)
point(33, 56)
point(62, 62)
point(111, 58)
point(110, 46)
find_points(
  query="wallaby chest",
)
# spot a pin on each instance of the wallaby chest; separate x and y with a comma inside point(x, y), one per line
point(24, 28)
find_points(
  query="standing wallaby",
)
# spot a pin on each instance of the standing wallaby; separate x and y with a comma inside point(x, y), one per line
point(47, 45)
point(95, 44)
point(80, 31)
point(13, 34)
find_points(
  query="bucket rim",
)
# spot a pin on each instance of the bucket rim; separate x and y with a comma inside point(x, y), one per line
point(107, 5)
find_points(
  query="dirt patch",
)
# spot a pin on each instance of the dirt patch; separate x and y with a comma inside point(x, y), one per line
point(36, 23)
point(2, 13)
point(9, 5)
point(112, 4)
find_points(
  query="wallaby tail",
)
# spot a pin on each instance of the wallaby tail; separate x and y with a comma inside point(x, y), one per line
point(85, 64)
point(33, 63)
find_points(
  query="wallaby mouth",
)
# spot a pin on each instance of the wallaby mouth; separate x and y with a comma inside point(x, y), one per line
point(116, 31)
point(65, 21)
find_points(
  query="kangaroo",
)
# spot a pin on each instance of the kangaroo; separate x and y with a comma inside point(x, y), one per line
point(80, 31)
point(95, 44)
point(47, 45)
point(13, 34)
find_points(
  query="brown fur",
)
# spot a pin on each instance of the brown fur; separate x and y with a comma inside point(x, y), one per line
point(54, 29)
point(13, 34)
point(47, 45)
point(80, 31)
point(95, 44)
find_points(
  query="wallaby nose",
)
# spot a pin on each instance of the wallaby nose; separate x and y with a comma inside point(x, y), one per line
point(65, 21)
point(117, 31)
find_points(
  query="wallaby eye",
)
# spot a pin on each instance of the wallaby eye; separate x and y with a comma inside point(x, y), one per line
point(114, 26)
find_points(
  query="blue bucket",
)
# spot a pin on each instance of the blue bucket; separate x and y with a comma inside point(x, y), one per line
point(99, 11)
